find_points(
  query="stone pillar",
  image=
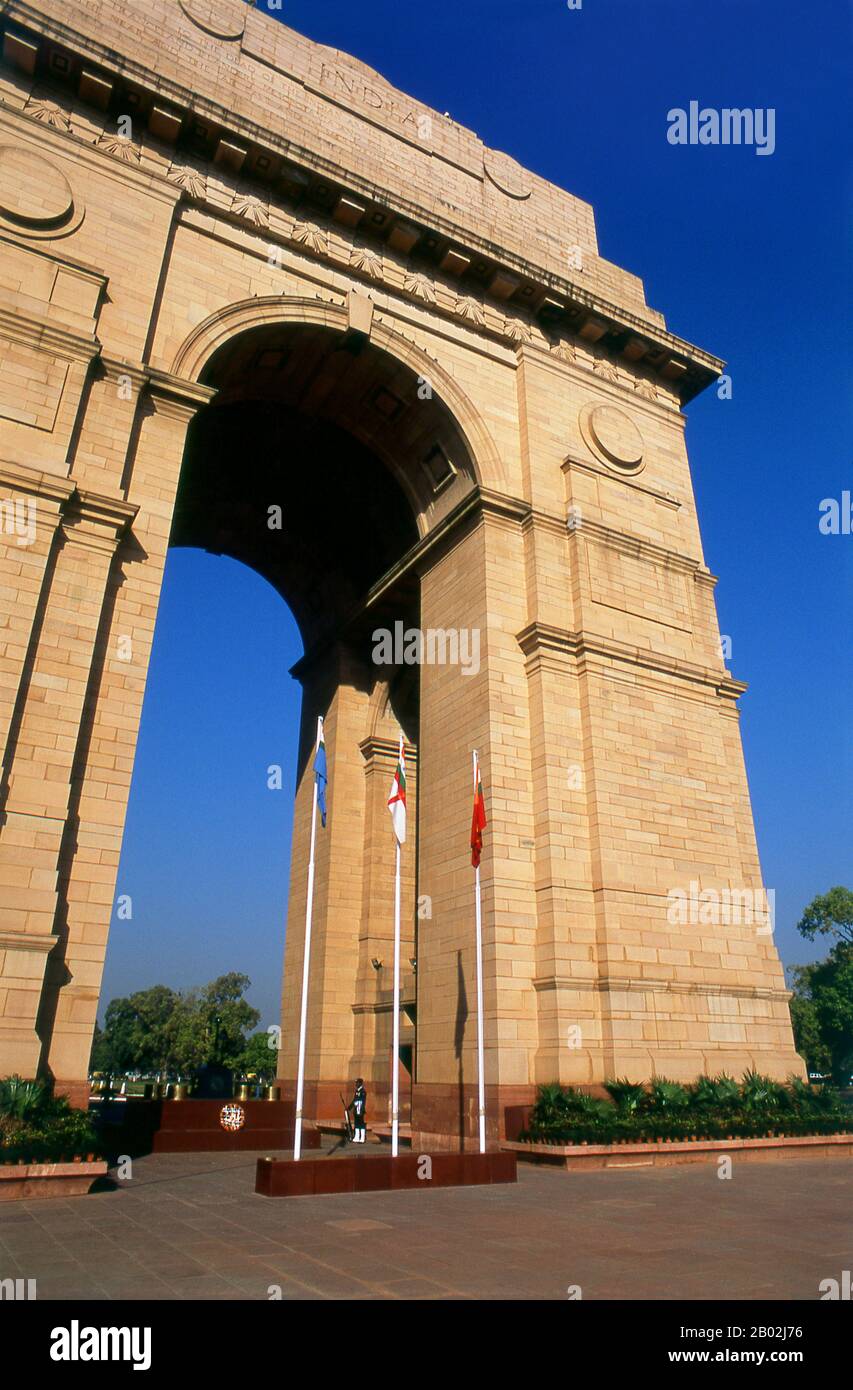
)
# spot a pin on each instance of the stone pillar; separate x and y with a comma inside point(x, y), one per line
point(374, 996)
point(82, 659)
point(337, 686)
point(477, 584)
point(40, 751)
point(32, 505)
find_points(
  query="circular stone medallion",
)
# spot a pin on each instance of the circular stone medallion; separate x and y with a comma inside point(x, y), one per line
point(232, 1117)
point(613, 437)
point(507, 174)
point(33, 192)
point(224, 19)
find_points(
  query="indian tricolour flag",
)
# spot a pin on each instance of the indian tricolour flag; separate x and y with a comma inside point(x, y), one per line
point(397, 798)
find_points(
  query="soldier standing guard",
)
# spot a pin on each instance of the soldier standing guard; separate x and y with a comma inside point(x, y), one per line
point(358, 1106)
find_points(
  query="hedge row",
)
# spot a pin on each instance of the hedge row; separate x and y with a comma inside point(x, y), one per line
point(711, 1108)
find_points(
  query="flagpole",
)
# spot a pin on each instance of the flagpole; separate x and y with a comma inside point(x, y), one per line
point(481, 1081)
point(397, 807)
point(306, 962)
point(395, 1052)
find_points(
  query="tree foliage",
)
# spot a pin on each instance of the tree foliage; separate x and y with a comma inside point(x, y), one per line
point(829, 913)
point(161, 1030)
point(259, 1057)
point(822, 1013)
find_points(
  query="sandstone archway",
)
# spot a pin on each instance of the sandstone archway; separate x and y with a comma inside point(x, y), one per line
point(287, 247)
point(324, 461)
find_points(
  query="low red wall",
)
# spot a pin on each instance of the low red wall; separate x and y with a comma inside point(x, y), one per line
point(321, 1177)
point(659, 1154)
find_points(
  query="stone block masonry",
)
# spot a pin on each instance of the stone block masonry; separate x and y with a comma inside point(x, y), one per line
point(235, 264)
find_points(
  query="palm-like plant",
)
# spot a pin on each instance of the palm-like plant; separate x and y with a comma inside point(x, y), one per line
point(667, 1095)
point(716, 1092)
point(550, 1107)
point(759, 1092)
point(627, 1095)
point(560, 1107)
point(22, 1100)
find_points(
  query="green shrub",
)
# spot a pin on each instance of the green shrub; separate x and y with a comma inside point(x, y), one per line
point(38, 1127)
point(760, 1093)
point(715, 1093)
point(666, 1095)
point(711, 1108)
point(628, 1096)
point(22, 1100)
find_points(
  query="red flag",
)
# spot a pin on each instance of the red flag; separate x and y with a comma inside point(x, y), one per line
point(478, 820)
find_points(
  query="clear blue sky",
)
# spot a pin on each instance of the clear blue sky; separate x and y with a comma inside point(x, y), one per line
point(747, 256)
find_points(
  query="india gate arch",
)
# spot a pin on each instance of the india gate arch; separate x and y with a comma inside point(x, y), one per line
point(342, 416)
point(209, 218)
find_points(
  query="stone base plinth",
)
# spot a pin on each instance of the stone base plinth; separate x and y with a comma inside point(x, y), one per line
point(26, 1181)
point(657, 1154)
point(194, 1126)
point(364, 1173)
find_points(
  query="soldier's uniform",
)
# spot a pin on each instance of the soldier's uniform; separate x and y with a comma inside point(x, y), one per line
point(358, 1106)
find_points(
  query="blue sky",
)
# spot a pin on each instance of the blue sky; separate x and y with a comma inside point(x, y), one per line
point(747, 256)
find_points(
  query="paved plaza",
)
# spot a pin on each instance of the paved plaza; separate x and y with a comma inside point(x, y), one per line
point(191, 1227)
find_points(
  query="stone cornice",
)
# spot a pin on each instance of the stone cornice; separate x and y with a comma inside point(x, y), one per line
point(579, 310)
point(606, 983)
point(54, 254)
point(613, 475)
point(22, 478)
point(49, 336)
point(486, 502)
point(563, 357)
point(39, 942)
point(385, 750)
point(95, 521)
point(637, 546)
point(114, 368)
point(477, 503)
point(540, 641)
point(93, 155)
point(174, 395)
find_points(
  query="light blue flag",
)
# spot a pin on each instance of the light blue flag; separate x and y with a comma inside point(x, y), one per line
point(321, 775)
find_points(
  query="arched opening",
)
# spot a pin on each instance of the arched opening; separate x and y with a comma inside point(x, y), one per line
point(322, 462)
point(203, 872)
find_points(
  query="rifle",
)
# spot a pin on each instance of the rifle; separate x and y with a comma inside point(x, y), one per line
point(347, 1126)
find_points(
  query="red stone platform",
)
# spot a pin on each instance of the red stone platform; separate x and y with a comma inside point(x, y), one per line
point(666, 1153)
point(193, 1126)
point(315, 1177)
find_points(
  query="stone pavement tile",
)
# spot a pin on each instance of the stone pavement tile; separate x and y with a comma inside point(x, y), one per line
point(69, 1288)
point(332, 1282)
point(47, 1268)
point(146, 1286)
point(415, 1288)
point(29, 1238)
point(176, 1268)
point(15, 1214)
point(259, 1284)
point(240, 1266)
point(638, 1235)
point(155, 1294)
point(198, 1286)
point(294, 1288)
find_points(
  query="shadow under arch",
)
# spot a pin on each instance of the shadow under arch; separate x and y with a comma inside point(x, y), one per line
point(323, 458)
point(193, 357)
point(328, 434)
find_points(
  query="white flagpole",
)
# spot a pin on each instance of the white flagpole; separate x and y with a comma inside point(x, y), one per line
point(306, 962)
point(395, 1053)
point(481, 1081)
